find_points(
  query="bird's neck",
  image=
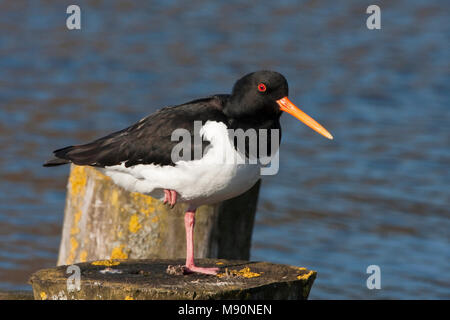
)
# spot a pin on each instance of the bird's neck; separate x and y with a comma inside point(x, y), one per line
point(242, 114)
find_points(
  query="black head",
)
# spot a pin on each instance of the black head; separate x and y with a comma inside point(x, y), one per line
point(262, 96)
point(257, 94)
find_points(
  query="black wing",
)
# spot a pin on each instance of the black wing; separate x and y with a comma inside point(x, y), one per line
point(147, 141)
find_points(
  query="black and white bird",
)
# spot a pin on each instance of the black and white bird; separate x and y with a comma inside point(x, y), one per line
point(140, 157)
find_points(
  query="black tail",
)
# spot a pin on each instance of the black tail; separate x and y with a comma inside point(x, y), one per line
point(56, 162)
point(106, 151)
point(60, 157)
point(96, 153)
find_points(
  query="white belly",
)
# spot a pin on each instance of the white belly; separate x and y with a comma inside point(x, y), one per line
point(219, 175)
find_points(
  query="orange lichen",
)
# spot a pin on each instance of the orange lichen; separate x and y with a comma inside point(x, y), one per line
point(43, 295)
point(129, 298)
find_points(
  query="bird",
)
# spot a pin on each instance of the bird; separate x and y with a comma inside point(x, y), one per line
point(140, 158)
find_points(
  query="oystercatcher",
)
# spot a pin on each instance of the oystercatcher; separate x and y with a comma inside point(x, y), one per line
point(140, 157)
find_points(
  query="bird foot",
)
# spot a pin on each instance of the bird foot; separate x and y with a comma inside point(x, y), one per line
point(170, 197)
point(195, 269)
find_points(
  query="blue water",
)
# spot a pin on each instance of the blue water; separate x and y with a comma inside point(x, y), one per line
point(376, 195)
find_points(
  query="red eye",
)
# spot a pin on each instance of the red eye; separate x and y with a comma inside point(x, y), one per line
point(262, 87)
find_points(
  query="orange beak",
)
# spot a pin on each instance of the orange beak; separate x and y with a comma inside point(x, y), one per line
point(287, 106)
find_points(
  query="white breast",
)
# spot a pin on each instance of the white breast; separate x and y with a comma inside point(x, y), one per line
point(219, 175)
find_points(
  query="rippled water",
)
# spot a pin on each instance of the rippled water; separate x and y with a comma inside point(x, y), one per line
point(378, 194)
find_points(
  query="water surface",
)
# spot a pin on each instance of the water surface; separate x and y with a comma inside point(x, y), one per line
point(378, 194)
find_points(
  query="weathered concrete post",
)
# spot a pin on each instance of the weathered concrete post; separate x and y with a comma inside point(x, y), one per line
point(150, 280)
point(103, 221)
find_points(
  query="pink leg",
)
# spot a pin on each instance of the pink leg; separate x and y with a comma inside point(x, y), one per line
point(189, 222)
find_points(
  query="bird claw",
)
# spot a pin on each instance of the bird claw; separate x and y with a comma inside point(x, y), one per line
point(195, 269)
point(170, 197)
point(166, 196)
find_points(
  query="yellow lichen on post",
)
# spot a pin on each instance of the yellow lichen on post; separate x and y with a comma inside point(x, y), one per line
point(145, 203)
point(155, 219)
point(73, 250)
point(77, 180)
point(83, 256)
point(76, 219)
point(43, 295)
point(305, 275)
point(118, 253)
point(106, 263)
point(244, 272)
point(134, 224)
point(114, 198)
